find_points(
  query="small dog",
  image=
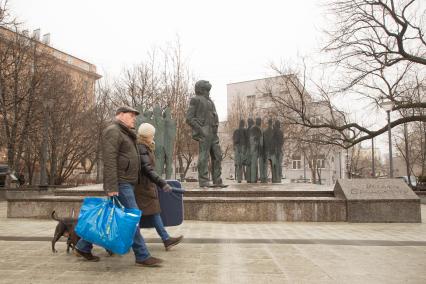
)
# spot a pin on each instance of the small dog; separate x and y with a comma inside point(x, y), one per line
point(65, 228)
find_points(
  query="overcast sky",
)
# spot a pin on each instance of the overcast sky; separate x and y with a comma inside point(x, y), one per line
point(223, 41)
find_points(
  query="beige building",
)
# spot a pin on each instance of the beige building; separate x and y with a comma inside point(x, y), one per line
point(80, 70)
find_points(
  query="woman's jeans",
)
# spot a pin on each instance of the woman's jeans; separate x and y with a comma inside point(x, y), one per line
point(157, 222)
point(126, 196)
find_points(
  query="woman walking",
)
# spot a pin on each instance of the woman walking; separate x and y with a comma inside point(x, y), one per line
point(146, 190)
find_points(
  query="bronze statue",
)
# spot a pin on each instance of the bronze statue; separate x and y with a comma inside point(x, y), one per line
point(169, 138)
point(159, 125)
point(145, 117)
point(268, 151)
point(278, 138)
point(250, 123)
point(256, 144)
point(204, 121)
point(239, 138)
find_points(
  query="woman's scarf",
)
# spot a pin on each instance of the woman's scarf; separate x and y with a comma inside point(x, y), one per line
point(144, 140)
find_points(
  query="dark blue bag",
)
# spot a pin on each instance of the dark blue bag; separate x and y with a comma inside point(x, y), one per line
point(107, 223)
point(171, 204)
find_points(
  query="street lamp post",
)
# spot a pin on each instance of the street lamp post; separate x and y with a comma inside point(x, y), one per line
point(388, 106)
point(373, 164)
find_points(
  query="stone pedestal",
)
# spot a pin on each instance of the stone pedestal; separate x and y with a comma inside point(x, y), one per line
point(379, 200)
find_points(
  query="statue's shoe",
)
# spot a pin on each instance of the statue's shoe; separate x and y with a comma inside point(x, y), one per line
point(220, 185)
point(212, 185)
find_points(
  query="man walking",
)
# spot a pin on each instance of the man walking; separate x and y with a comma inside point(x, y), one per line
point(121, 172)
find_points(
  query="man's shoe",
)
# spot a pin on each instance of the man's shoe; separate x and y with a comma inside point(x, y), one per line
point(149, 262)
point(168, 244)
point(87, 255)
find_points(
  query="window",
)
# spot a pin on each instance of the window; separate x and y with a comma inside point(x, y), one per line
point(316, 120)
point(320, 163)
point(296, 162)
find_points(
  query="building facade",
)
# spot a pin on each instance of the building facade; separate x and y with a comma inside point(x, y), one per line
point(39, 52)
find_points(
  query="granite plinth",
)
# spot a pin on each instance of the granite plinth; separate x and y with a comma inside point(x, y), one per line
point(352, 200)
point(42, 206)
point(255, 209)
point(238, 202)
point(379, 200)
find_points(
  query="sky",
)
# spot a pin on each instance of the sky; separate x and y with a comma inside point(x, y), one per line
point(222, 41)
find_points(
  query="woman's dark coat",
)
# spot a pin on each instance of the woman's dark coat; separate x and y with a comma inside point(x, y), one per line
point(146, 193)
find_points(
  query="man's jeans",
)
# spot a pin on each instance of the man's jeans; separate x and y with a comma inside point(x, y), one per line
point(127, 198)
point(159, 226)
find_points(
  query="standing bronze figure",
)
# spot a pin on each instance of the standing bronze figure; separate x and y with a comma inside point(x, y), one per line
point(169, 139)
point(250, 123)
point(268, 151)
point(256, 144)
point(239, 138)
point(204, 121)
point(278, 138)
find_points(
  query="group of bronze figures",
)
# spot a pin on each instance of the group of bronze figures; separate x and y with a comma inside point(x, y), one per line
point(256, 149)
point(165, 133)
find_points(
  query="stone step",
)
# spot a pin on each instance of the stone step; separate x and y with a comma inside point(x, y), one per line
point(216, 193)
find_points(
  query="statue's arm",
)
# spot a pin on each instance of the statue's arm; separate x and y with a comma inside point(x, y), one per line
point(190, 115)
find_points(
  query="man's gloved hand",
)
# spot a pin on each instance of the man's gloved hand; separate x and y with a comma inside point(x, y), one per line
point(167, 188)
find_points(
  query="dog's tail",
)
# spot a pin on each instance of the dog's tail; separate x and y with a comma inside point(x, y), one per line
point(53, 216)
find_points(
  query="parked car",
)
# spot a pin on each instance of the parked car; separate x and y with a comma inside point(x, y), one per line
point(413, 181)
point(421, 183)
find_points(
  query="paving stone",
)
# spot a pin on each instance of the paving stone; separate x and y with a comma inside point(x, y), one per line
point(221, 252)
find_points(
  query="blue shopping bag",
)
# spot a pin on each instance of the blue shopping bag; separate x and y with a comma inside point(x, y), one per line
point(107, 223)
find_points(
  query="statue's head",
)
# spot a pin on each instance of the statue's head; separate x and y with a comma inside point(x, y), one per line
point(258, 121)
point(157, 111)
point(270, 122)
point(242, 123)
point(202, 87)
point(250, 122)
point(148, 113)
point(167, 113)
point(277, 124)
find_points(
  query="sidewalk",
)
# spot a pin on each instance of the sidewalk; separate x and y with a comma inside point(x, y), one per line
point(218, 252)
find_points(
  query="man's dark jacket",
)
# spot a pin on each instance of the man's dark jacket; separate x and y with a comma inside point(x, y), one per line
point(120, 156)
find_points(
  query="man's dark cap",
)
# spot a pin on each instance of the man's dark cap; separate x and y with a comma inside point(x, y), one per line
point(126, 109)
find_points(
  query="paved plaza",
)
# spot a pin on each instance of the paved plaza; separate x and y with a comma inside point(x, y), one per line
point(219, 252)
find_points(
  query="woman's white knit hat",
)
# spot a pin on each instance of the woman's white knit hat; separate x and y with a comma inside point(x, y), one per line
point(146, 130)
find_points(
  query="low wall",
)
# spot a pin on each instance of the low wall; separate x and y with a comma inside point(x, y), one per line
point(321, 209)
point(204, 209)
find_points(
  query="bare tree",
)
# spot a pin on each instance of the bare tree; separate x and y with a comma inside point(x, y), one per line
point(298, 107)
point(370, 35)
point(377, 51)
point(163, 79)
point(23, 66)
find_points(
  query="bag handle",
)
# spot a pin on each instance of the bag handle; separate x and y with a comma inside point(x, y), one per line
point(116, 201)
